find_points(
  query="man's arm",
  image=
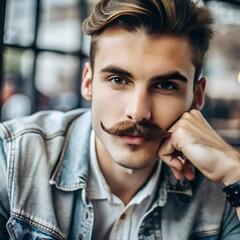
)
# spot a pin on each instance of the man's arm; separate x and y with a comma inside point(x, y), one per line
point(194, 142)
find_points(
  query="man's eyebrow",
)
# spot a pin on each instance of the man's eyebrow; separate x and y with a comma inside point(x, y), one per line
point(116, 70)
point(170, 76)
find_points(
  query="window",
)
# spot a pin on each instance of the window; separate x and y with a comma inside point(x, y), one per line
point(44, 51)
point(222, 68)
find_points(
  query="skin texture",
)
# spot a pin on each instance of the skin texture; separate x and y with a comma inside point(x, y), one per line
point(203, 148)
point(142, 78)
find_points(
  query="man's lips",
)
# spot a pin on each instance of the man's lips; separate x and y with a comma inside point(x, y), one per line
point(133, 140)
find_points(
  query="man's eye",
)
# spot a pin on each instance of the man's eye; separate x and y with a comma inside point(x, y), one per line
point(118, 81)
point(166, 85)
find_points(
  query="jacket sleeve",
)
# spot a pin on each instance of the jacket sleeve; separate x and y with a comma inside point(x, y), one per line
point(4, 199)
point(230, 225)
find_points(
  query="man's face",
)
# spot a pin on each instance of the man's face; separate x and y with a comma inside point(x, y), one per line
point(138, 78)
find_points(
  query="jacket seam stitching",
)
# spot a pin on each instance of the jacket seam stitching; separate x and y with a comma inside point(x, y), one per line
point(205, 233)
point(10, 137)
point(11, 167)
point(42, 227)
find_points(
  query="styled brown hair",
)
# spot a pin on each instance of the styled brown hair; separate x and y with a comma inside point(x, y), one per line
point(154, 17)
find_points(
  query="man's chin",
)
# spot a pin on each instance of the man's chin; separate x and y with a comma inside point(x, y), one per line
point(131, 166)
point(136, 163)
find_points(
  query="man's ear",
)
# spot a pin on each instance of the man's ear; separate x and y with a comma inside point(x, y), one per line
point(86, 87)
point(199, 94)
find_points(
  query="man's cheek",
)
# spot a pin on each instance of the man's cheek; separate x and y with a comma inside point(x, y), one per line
point(168, 119)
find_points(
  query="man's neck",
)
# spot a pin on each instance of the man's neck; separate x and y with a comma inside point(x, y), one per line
point(123, 182)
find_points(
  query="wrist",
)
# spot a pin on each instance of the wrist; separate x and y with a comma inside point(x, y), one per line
point(233, 172)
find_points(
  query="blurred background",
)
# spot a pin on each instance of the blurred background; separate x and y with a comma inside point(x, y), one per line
point(43, 51)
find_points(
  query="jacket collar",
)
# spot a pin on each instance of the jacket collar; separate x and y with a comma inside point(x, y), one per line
point(71, 171)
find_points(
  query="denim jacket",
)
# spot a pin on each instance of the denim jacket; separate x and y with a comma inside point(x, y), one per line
point(43, 190)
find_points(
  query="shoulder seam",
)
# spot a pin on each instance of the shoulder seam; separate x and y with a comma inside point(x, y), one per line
point(10, 137)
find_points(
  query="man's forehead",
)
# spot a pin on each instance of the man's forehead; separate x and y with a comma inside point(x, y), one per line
point(116, 34)
point(122, 48)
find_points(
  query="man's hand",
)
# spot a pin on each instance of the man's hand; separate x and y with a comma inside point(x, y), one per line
point(194, 142)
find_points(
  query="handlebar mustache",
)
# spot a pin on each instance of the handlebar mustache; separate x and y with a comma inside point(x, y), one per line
point(147, 130)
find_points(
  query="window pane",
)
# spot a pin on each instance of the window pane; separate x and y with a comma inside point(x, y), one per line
point(15, 99)
point(223, 73)
point(20, 15)
point(56, 79)
point(60, 26)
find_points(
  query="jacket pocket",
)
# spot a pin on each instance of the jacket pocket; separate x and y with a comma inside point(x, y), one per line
point(21, 230)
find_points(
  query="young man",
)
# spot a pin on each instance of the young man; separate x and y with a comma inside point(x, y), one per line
point(97, 174)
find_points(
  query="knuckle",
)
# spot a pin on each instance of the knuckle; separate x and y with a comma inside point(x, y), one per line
point(180, 131)
point(183, 122)
point(195, 112)
point(161, 151)
point(186, 115)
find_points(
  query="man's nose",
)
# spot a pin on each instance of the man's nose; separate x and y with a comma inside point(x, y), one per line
point(138, 108)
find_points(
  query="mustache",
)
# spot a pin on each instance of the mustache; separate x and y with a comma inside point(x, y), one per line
point(147, 130)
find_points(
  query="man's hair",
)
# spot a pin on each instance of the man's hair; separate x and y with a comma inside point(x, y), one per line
point(154, 17)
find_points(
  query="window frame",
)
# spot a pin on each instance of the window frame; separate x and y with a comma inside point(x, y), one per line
point(34, 97)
